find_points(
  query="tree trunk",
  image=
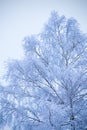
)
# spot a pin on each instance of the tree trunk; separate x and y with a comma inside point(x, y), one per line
point(72, 117)
point(72, 123)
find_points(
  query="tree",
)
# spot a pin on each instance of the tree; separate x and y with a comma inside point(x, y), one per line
point(47, 89)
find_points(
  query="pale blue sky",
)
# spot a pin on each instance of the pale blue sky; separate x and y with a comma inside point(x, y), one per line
point(20, 18)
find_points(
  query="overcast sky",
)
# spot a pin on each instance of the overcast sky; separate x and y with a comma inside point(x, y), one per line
point(20, 18)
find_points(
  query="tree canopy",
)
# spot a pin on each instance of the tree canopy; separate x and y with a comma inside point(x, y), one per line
point(48, 88)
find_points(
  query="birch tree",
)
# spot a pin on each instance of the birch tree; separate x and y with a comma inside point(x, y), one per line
point(47, 89)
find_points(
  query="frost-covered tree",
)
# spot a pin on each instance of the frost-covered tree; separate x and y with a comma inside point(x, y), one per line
point(47, 89)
